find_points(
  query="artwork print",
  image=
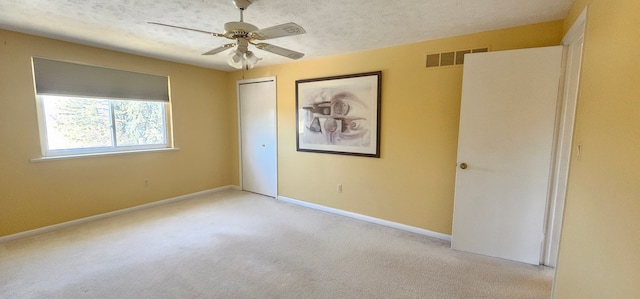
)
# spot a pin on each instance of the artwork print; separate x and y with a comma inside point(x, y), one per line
point(339, 115)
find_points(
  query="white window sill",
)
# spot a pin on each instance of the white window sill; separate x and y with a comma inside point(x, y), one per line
point(75, 156)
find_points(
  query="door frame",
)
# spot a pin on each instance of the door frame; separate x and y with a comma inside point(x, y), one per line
point(565, 123)
point(238, 107)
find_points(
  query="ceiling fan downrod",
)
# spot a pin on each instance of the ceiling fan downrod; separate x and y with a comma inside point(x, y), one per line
point(242, 5)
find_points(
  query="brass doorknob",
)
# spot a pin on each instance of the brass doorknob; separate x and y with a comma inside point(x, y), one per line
point(463, 165)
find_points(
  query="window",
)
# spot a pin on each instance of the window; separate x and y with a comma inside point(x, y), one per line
point(75, 124)
point(85, 109)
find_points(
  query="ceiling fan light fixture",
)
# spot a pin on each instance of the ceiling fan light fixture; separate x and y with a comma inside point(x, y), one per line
point(251, 59)
point(238, 60)
point(235, 59)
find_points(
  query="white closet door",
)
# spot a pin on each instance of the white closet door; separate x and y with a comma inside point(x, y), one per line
point(257, 105)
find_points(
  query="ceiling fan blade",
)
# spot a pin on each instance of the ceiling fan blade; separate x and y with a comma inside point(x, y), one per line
point(281, 30)
point(219, 49)
point(280, 51)
point(191, 29)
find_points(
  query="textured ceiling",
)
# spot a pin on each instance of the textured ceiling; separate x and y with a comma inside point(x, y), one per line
point(333, 26)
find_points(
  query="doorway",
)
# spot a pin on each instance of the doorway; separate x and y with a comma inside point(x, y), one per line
point(258, 135)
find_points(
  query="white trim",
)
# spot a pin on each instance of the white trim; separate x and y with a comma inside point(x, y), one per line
point(370, 219)
point(568, 99)
point(50, 158)
point(58, 226)
point(577, 29)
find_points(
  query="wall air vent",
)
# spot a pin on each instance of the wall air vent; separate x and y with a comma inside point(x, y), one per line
point(450, 58)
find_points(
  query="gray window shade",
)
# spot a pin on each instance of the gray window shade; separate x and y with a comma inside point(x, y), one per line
point(71, 79)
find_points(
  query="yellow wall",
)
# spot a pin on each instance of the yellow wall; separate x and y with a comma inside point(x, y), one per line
point(413, 181)
point(600, 242)
point(34, 195)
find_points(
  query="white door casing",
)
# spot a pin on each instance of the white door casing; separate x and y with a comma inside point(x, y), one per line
point(507, 117)
point(573, 42)
point(258, 135)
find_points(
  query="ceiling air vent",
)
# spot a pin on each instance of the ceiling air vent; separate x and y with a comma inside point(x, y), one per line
point(450, 58)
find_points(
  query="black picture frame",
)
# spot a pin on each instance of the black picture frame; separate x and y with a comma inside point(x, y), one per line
point(339, 114)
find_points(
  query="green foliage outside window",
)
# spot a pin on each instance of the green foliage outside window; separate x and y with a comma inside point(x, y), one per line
point(82, 123)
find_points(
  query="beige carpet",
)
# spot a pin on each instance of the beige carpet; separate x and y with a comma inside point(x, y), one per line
point(235, 244)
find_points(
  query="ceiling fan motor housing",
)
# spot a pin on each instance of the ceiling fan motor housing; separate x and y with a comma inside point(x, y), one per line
point(234, 30)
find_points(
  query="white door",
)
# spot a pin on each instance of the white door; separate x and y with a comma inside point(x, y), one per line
point(257, 106)
point(507, 118)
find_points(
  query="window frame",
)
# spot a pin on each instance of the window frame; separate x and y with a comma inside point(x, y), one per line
point(114, 148)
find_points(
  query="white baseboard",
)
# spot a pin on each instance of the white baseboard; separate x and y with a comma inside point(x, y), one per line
point(378, 221)
point(361, 217)
point(50, 228)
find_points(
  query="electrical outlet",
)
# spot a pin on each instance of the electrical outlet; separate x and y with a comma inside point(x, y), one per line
point(146, 183)
point(339, 188)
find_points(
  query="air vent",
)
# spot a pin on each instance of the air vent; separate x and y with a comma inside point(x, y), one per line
point(450, 58)
point(460, 56)
point(433, 60)
point(447, 58)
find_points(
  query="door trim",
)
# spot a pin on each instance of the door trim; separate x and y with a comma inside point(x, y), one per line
point(563, 142)
point(252, 81)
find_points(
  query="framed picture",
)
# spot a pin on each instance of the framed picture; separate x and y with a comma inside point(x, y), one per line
point(339, 115)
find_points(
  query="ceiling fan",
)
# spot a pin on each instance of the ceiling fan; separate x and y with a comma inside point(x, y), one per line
point(245, 34)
